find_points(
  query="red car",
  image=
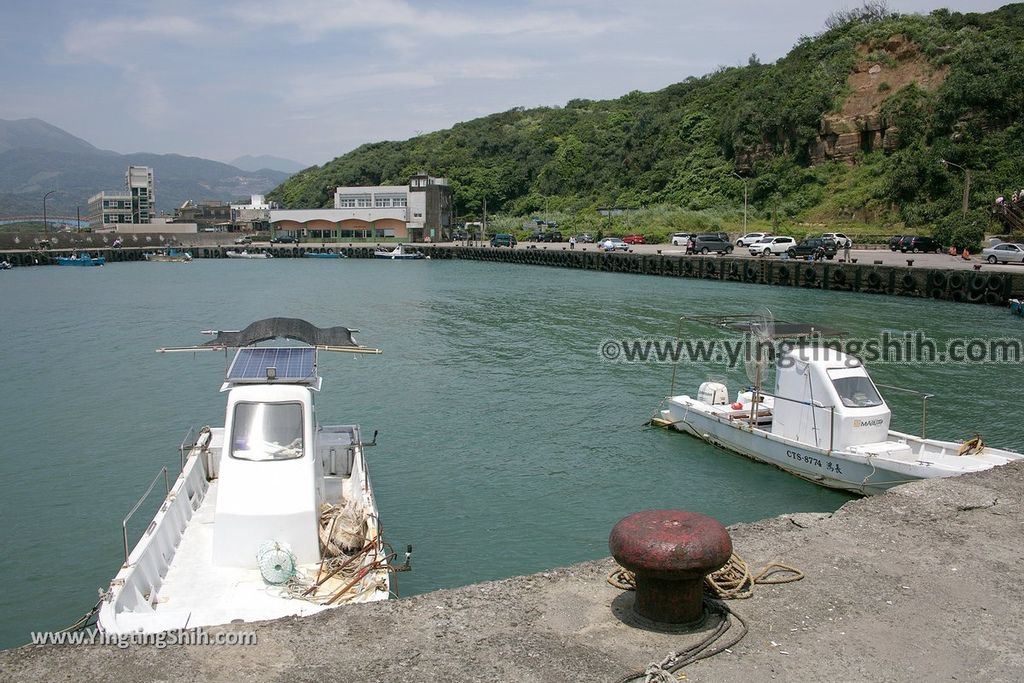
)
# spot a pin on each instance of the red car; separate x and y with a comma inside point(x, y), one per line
point(634, 239)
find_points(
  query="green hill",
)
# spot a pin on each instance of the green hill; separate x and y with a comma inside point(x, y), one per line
point(851, 126)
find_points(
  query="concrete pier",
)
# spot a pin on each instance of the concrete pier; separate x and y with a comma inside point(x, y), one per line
point(964, 282)
point(921, 583)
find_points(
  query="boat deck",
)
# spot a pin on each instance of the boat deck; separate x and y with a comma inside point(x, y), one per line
point(197, 593)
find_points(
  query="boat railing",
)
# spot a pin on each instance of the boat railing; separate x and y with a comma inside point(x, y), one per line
point(185, 446)
point(138, 504)
point(924, 402)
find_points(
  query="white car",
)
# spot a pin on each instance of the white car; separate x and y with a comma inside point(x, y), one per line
point(1006, 252)
point(840, 239)
point(772, 245)
point(681, 239)
point(751, 238)
point(613, 243)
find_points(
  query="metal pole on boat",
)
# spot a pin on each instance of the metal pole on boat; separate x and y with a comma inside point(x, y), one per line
point(924, 413)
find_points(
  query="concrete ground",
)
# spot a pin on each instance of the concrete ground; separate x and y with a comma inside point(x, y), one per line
point(922, 583)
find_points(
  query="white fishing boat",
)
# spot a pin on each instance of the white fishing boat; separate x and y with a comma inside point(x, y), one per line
point(825, 422)
point(245, 253)
point(170, 254)
point(401, 252)
point(272, 514)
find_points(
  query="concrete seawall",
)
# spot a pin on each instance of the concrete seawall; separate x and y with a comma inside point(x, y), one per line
point(991, 286)
point(921, 583)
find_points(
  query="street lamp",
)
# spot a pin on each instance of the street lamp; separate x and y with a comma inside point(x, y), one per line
point(744, 200)
point(967, 181)
point(46, 225)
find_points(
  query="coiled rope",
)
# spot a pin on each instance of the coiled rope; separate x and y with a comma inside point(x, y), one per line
point(733, 581)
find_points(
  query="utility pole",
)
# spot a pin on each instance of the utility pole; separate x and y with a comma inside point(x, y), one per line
point(483, 229)
point(967, 182)
point(744, 200)
point(46, 225)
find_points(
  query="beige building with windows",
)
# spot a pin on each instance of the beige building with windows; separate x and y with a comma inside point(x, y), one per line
point(420, 211)
point(134, 205)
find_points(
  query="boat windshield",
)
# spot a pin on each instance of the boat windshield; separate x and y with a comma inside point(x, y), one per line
point(856, 391)
point(267, 431)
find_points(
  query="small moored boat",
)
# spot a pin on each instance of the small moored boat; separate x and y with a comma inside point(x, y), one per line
point(170, 255)
point(272, 514)
point(825, 422)
point(245, 253)
point(330, 253)
point(82, 258)
point(401, 252)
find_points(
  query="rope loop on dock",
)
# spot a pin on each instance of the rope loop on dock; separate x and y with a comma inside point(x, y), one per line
point(734, 581)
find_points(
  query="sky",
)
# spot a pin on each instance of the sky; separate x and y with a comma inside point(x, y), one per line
point(309, 80)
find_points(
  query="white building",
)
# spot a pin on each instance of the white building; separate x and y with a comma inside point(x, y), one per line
point(252, 216)
point(419, 211)
point(108, 211)
point(138, 180)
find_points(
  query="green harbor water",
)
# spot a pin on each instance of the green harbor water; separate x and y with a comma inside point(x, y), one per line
point(507, 444)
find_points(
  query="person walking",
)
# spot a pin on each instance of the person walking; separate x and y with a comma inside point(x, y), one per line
point(572, 242)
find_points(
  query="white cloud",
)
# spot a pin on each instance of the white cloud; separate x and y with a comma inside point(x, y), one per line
point(113, 41)
point(314, 19)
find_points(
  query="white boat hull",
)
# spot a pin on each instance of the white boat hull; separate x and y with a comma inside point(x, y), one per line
point(169, 581)
point(864, 473)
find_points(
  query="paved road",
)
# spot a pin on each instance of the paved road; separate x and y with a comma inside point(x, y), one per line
point(862, 256)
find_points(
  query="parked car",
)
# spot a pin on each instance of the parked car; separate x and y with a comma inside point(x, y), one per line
point(548, 236)
point(613, 243)
point(919, 243)
point(839, 238)
point(814, 246)
point(585, 238)
point(772, 245)
point(1007, 252)
point(283, 239)
point(750, 238)
point(703, 244)
point(681, 239)
point(244, 239)
point(503, 239)
point(459, 236)
point(634, 239)
point(894, 242)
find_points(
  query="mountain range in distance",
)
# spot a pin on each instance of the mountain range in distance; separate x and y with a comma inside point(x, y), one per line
point(36, 157)
point(247, 162)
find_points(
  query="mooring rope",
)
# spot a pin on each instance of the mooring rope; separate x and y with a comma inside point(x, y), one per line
point(733, 581)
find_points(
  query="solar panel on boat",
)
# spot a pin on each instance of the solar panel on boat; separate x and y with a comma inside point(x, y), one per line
point(290, 364)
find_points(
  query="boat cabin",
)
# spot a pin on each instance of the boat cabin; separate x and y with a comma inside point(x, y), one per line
point(825, 398)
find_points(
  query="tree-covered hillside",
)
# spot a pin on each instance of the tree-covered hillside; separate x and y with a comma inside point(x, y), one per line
point(680, 146)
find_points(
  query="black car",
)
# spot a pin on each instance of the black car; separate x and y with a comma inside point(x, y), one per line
point(917, 243)
point(460, 236)
point(549, 236)
point(283, 239)
point(894, 242)
point(814, 246)
point(702, 244)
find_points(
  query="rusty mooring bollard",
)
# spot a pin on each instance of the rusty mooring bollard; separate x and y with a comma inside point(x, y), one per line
point(670, 552)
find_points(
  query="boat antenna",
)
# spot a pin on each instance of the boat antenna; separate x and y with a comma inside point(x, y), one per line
point(761, 332)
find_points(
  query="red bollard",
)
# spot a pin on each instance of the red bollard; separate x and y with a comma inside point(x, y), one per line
point(670, 552)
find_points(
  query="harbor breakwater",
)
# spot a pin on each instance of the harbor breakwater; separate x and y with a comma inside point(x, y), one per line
point(961, 285)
